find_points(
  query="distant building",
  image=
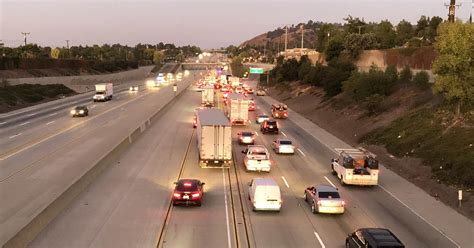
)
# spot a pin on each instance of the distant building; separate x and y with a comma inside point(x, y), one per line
point(296, 53)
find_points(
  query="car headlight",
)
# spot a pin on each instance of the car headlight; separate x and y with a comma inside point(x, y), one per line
point(73, 112)
point(81, 111)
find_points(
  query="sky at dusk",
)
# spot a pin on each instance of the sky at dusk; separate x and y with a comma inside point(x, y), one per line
point(208, 24)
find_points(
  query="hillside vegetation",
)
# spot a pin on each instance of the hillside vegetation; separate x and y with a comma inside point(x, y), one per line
point(437, 128)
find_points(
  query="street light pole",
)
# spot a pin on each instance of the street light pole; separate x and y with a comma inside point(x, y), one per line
point(67, 44)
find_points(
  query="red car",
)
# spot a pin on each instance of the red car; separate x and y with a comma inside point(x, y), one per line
point(188, 192)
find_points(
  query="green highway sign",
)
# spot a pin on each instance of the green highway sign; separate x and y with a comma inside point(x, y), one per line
point(256, 70)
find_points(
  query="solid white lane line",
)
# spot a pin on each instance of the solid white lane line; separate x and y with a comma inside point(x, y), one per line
point(53, 114)
point(329, 181)
point(24, 123)
point(302, 153)
point(226, 209)
point(421, 217)
point(319, 239)
point(256, 133)
point(283, 133)
point(51, 122)
point(13, 136)
point(1, 123)
point(31, 114)
point(286, 183)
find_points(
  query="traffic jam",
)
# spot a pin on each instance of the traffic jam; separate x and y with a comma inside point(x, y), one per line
point(226, 102)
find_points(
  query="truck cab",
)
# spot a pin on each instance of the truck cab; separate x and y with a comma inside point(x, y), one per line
point(257, 158)
point(279, 111)
point(355, 167)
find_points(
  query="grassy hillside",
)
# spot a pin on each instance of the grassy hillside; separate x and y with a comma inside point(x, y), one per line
point(23, 95)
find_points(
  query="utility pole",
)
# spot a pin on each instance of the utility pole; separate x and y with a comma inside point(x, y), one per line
point(452, 10)
point(286, 38)
point(24, 36)
point(302, 36)
point(67, 44)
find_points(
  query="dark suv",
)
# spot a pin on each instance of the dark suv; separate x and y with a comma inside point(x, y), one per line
point(373, 238)
point(269, 126)
point(80, 111)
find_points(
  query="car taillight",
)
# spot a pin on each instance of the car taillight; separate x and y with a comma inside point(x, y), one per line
point(195, 195)
point(176, 195)
point(276, 114)
point(343, 203)
point(286, 114)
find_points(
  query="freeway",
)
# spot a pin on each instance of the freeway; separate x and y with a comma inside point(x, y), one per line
point(128, 205)
point(55, 152)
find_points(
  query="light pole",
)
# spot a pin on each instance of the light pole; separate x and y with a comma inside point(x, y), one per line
point(67, 44)
point(25, 34)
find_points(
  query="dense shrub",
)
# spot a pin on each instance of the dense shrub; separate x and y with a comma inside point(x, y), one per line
point(422, 79)
point(406, 75)
point(362, 85)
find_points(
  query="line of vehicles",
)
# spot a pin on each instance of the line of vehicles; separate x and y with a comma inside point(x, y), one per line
point(105, 91)
point(214, 133)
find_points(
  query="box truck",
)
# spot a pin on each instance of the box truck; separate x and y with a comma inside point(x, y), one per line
point(103, 92)
point(214, 138)
point(207, 98)
point(238, 109)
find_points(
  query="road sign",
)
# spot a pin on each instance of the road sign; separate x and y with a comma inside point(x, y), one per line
point(256, 70)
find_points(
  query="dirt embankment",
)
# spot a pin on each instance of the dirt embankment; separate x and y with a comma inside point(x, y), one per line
point(340, 117)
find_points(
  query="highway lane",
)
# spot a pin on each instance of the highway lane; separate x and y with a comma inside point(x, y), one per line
point(15, 137)
point(21, 116)
point(373, 205)
point(29, 185)
point(288, 228)
point(40, 144)
point(138, 189)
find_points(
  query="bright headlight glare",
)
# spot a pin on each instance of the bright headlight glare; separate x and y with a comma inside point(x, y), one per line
point(73, 111)
point(81, 111)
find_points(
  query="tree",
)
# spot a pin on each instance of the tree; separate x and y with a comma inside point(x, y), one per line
point(304, 67)
point(237, 67)
point(385, 34)
point(421, 26)
point(404, 32)
point(334, 48)
point(406, 75)
point(355, 43)
point(453, 68)
point(391, 73)
point(353, 25)
point(433, 26)
point(421, 79)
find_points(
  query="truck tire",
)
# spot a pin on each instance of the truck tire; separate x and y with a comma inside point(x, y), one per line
point(305, 197)
point(313, 208)
point(332, 170)
point(342, 181)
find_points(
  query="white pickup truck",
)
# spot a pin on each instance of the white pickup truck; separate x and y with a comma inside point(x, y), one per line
point(356, 167)
point(257, 158)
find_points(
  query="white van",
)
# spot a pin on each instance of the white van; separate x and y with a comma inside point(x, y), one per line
point(264, 194)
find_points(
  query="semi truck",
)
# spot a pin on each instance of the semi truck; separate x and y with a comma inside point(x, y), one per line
point(207, 96)
point(103, 92)
point(238, 109)
point(214, 138)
